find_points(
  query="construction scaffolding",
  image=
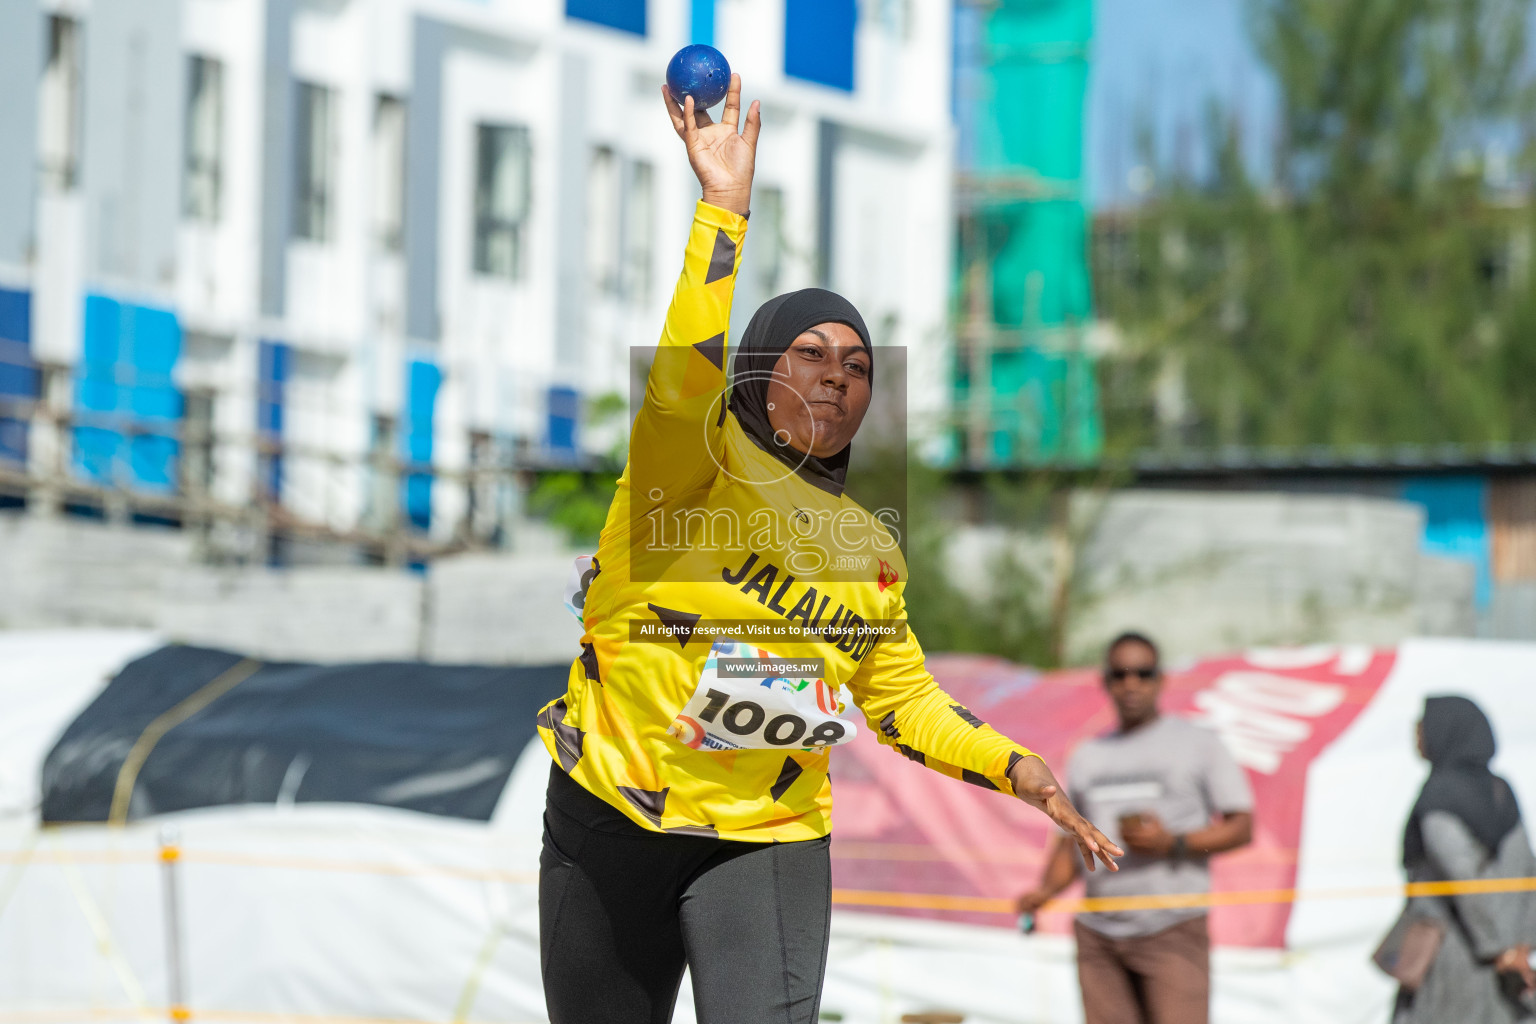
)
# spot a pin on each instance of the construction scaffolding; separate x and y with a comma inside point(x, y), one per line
point(1025, 391)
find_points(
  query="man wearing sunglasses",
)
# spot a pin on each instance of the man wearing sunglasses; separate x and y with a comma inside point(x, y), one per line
point(1167, 791)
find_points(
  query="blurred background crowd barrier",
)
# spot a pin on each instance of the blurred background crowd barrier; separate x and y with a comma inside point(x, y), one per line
point(322, 843)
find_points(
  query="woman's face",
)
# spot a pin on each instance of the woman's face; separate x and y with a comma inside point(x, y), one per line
point(820, 390)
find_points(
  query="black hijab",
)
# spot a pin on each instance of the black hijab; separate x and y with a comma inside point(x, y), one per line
point(773, 328)
point(1458, 742)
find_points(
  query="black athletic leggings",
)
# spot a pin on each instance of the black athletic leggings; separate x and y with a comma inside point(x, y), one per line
point(622, 909)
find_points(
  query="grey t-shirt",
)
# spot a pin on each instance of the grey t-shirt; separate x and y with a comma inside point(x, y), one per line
point(1174, 769)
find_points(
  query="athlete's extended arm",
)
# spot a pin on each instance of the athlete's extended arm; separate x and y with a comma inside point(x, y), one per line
point(680, 415)
point(909, 711)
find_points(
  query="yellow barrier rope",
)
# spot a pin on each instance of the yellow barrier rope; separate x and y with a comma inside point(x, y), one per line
point(231, 859)
point(1247, 897)
point(64, 1016)
point(163, 723)
point(846, 897)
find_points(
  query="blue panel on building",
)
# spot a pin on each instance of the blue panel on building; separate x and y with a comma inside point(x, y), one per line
point(127, 407)
point(564, 412)
point(18, 374)
point(273, 368)
point(1456, 523)
point(818, 41)
point(96, 401)
point(422, 382)
point(15, 315)
point(624, 15)
point(701, 26)
point(154, 403)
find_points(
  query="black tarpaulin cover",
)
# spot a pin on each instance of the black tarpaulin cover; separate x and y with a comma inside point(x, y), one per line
point(438, 739)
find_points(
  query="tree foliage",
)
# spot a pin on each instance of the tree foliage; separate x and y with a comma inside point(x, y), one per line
point(1377, 288)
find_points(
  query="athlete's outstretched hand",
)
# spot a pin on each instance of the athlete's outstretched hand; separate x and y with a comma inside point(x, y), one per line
point(721, 157)
point(1035, 785)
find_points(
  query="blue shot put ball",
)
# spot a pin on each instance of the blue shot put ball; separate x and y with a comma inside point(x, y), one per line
point(699, 71)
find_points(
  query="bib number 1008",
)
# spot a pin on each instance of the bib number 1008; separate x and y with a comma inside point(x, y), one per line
point(746, 717)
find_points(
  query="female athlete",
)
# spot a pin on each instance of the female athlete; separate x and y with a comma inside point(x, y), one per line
point(688, 817)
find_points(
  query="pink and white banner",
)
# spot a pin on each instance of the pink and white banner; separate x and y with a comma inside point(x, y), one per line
point(904, 830)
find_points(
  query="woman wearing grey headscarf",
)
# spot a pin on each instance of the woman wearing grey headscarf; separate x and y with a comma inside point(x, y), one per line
point(1466, 826)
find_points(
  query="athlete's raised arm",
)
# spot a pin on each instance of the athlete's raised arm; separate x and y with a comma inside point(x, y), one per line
point(681, 413)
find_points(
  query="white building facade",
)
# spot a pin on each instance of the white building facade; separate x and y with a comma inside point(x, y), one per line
point(349, 261)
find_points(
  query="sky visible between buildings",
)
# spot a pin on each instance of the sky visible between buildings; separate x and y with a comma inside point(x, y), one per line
point(1165, 61)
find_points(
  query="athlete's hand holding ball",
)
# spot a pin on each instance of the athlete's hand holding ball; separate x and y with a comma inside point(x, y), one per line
point(721, 156)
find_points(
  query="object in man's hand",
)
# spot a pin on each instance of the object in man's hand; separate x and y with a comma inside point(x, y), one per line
point(1131, 822)
point(699, 71)
point(1027, 924)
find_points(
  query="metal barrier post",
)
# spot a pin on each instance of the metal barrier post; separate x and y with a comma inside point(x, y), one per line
point(175, 982)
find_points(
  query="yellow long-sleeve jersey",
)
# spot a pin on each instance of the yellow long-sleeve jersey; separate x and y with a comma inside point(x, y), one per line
point(706, 532)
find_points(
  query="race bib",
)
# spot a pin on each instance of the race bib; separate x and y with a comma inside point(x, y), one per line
point(747, 697)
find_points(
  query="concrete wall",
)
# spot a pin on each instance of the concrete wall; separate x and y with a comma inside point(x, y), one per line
point(323, 614)
point(483, 609)
point(1201, 572)
point(501, 609)
point(1512, 615)
point(74, 573)
point(1207, 572)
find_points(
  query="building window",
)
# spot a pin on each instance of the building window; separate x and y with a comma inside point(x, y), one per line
point(502, 168)
point(818, 41)
point(624, 15)
point(621, 223)
point(314, 183)
point(274, 361)
point(197, 448)
point(487, 503)
point(381, 490)
point(59, 103)
point(895, 17)
point(205, 138)
point(603, 224)
point(389, 172)
point(422, 382)
point(639, 230)
point(561, 436)
point(768, 218)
